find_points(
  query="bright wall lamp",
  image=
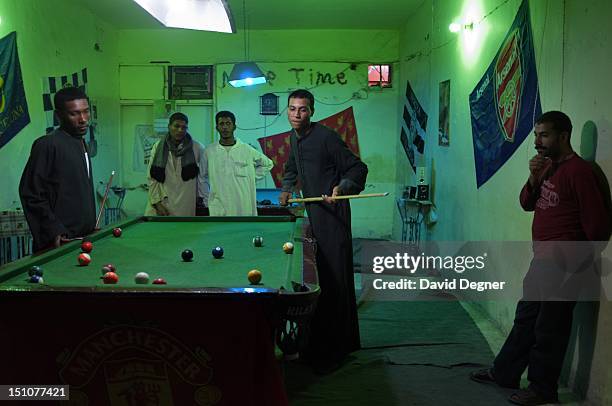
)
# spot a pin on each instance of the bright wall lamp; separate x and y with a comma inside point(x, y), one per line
point(456, 27)
point(203, 15)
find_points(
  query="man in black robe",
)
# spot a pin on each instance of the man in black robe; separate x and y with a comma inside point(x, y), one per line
point(324, 166)
point(56, 187)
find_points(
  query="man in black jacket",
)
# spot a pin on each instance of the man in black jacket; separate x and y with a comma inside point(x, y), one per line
point(324, 166)
point(56, 187)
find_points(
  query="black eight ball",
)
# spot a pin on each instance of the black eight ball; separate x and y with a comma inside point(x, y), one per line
point(187, 255)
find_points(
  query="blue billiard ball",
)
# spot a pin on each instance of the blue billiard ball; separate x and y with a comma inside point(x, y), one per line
point(36, 279)
point(217, 252)
point(35, 270)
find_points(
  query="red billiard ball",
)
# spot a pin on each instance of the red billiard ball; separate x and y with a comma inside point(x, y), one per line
point(159, 281)
point(111, 268)
point(117, 232)
point(84, 259)
point(86, 246)
point(110, 277)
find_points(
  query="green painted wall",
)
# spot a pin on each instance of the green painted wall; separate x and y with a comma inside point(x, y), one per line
point(573, 58)
point(54, 38)
point(190, 47)
point(316, 52)
point(374, 119)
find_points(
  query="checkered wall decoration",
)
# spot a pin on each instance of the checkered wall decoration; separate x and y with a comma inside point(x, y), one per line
point(52, 84)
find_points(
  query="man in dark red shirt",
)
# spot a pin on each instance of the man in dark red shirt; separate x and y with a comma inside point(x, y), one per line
point(564, 193)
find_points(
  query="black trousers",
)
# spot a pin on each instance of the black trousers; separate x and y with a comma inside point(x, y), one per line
point(538, 340)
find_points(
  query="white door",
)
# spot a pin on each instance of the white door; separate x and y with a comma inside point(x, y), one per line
point(134, 119)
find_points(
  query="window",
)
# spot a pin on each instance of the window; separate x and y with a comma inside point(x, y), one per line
point(379, 75)
point(189, 82)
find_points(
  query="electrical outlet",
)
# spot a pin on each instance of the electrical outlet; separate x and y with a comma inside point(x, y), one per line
point(421, 175)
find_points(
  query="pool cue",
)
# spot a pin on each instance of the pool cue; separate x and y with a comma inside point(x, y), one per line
point(342, 197)
point(110, 180)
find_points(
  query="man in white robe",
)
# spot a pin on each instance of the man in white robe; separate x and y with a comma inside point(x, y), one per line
point(176, 174)
point(233, 167)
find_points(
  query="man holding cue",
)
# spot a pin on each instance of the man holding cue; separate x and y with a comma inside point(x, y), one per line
point(324, 166)
point(56, 187)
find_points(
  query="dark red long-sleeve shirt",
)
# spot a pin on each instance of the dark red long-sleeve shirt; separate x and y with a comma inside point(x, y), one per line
point(568, 204)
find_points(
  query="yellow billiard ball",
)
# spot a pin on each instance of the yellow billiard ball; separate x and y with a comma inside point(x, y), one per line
point(254, 276)
point(288, 247)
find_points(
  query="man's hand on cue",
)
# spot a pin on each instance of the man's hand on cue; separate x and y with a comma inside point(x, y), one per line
point(331, 199)
point(61, 239)
point(284, 197)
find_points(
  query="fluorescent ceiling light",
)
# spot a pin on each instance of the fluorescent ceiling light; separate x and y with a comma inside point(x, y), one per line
point(204, 15)
point(246, 74)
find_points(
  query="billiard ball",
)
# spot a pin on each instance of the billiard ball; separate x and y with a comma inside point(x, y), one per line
point(110, 277)
point(35, 270)
point(109, 268)
point(288, 247)
point(117, 232)
point(187, 255)
point(36, 279)
point(254, 276)
point(159, 281)
point(258, 241)
point(84, 259)
point(217, 252)
point(86, 246)
point(141, 278)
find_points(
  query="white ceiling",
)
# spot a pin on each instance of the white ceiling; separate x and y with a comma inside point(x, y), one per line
point(278, 14)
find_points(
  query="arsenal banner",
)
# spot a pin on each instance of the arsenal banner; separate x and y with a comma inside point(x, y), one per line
point(13, 105)
point(506, 102)
point(276, 147)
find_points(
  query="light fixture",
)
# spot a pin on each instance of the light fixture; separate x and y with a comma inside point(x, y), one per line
point(246, 73)
point(203, 15)
point(456, 27)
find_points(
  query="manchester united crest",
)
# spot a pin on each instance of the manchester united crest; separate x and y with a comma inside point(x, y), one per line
point(132, 365)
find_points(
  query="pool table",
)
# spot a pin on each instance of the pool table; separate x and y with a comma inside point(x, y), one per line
point(205, 337)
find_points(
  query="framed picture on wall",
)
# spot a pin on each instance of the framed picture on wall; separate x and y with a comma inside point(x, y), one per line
point(268, 104)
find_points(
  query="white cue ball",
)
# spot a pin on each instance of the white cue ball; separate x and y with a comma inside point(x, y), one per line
point(142, 278)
